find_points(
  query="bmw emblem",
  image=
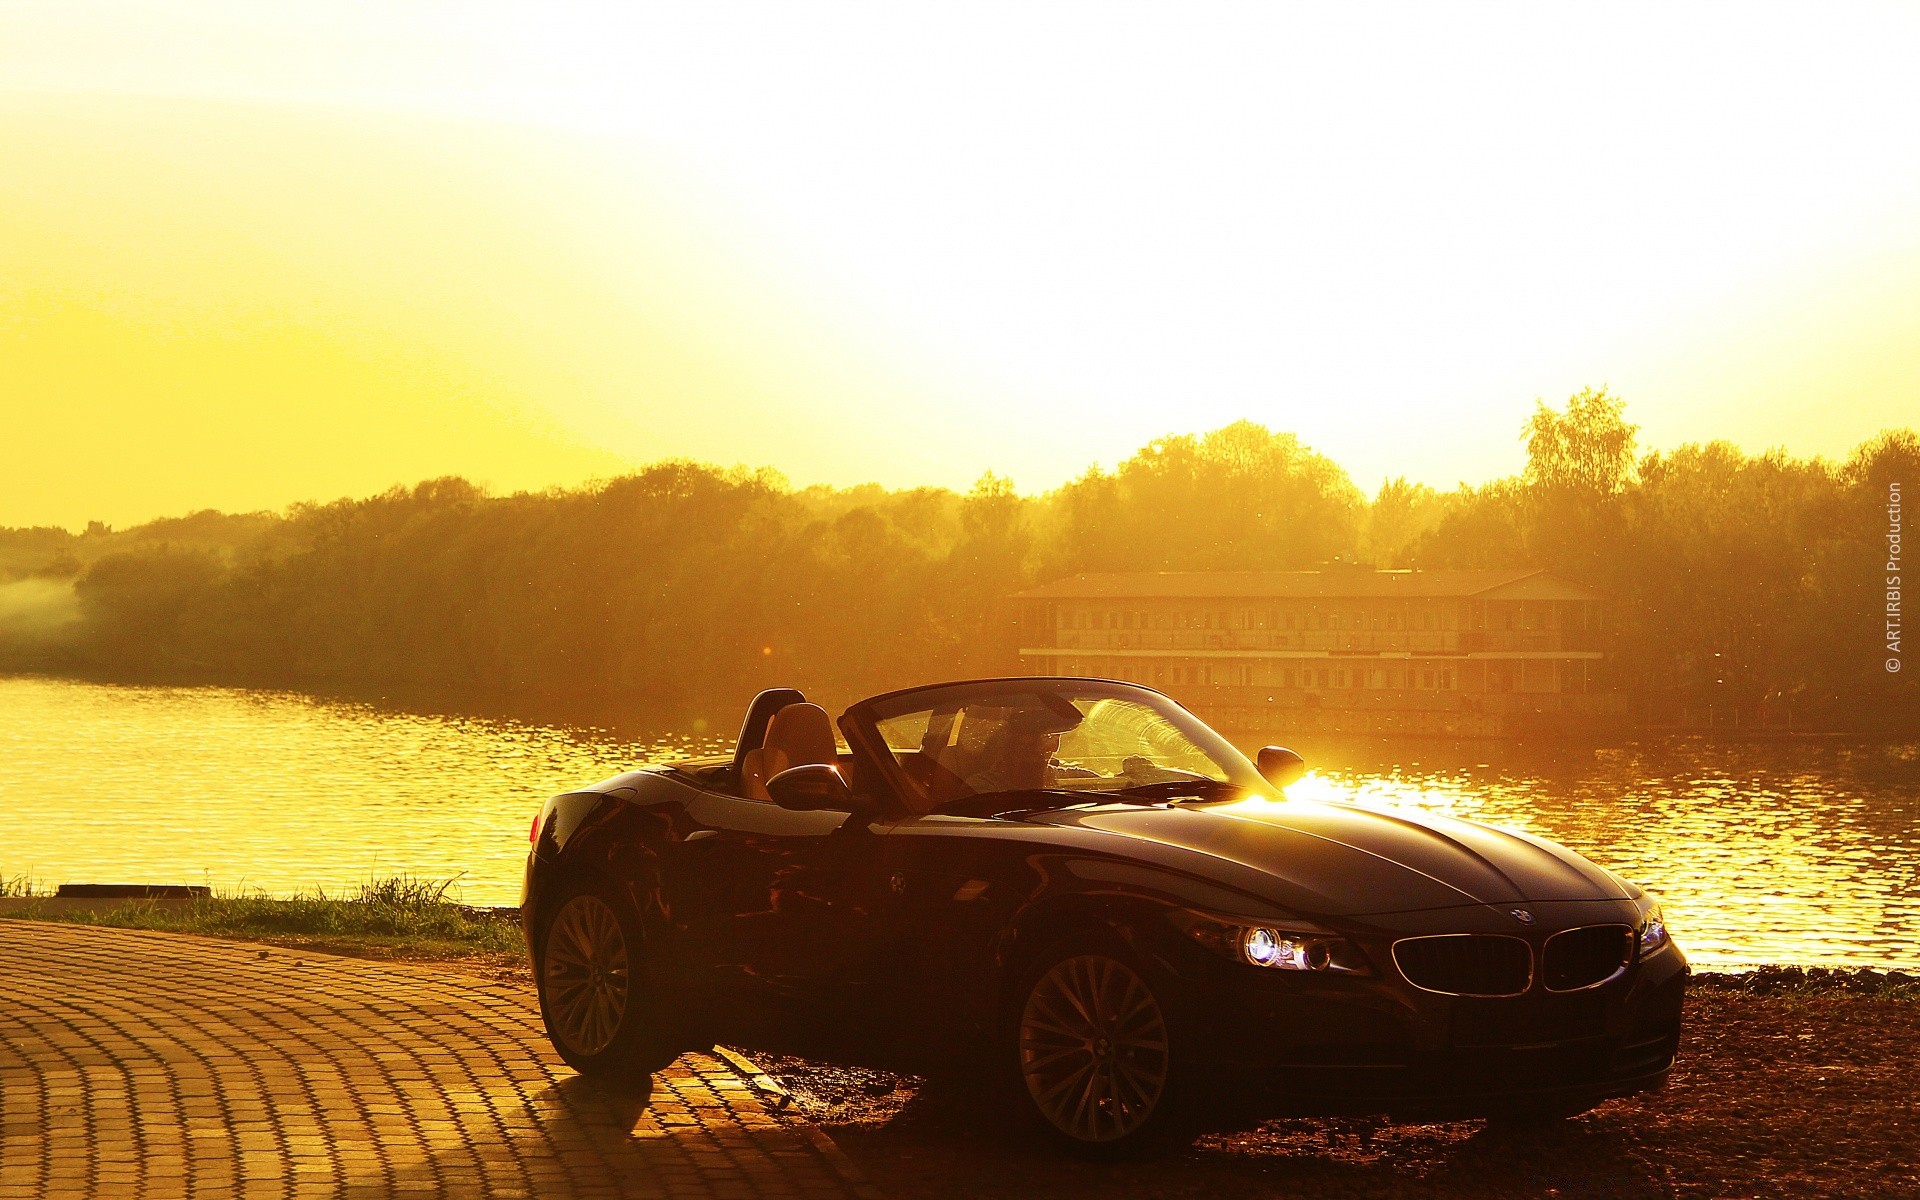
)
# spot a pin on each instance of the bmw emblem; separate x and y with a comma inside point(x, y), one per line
point(1522, 915)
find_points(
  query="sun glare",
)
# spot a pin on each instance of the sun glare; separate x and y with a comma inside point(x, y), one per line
point(910, 245)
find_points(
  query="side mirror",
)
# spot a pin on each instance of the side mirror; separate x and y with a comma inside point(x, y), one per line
point(811, 787)
point(1281, 766)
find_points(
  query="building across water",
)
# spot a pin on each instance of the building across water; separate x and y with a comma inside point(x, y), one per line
point(1345, 650)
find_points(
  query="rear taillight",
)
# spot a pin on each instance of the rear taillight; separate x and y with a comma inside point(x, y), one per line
point(533, 835)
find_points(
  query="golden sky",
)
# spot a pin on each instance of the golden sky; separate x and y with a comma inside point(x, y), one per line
point(253, 254)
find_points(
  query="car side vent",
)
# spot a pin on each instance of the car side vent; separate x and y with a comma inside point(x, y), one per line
point(1584, 958)
point(1466, 964)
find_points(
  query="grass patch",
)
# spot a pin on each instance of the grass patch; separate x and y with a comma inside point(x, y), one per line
point(399, 917)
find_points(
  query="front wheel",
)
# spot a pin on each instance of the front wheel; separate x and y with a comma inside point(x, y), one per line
point(1095, 1051)
point(592, 980)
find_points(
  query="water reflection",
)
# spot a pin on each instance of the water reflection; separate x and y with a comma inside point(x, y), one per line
point(279, 791)
point(1761, 852)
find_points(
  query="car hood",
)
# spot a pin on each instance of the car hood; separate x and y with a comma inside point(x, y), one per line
point(1337, 860)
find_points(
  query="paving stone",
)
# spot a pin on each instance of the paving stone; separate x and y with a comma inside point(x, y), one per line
point(147, 1064)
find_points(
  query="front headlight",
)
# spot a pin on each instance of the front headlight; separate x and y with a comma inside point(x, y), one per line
point(1653, 931)
point(1285, 951)
point(1272, 948)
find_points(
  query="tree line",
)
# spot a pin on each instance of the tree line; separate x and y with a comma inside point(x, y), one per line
point(1743, 581)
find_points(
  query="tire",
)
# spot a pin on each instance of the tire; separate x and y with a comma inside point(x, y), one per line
point(591, 972)
point(1094, 1050)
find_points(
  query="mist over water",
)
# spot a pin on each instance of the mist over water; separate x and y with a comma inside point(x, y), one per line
point(37, 607)
point(1761, 852)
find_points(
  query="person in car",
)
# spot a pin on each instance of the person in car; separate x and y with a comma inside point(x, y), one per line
point(1020, 755)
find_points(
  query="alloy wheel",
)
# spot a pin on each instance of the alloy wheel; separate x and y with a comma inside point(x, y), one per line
point(1093, 1048)
point(585, 974)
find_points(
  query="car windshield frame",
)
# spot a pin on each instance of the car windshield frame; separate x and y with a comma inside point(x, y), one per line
point(862, 724)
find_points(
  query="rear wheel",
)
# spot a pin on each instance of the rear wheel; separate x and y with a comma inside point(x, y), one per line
point(593, 985)
point(1094, 1050)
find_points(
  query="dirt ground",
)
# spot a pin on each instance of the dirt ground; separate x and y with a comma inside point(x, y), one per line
point(1789, 1084)
point(1786, 1086)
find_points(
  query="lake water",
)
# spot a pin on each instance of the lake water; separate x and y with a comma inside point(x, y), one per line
point(1761, 852)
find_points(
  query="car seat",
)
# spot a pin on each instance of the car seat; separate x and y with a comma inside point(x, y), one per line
point(799, 735)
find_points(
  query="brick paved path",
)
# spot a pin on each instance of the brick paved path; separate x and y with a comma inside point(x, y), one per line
point(148, 1064)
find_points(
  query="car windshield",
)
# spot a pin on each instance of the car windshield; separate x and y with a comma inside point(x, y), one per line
point(960, 741)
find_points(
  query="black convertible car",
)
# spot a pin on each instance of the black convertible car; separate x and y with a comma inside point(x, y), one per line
point(1074, 887)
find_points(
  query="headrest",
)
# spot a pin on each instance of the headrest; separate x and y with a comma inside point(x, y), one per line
point(804, 733)
point(753, 730)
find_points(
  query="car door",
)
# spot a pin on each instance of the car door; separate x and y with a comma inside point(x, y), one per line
point(957, 880)
point(791, 907)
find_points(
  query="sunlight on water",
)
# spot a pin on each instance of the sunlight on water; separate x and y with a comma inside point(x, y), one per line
point(277, 791)
point(1760, 852)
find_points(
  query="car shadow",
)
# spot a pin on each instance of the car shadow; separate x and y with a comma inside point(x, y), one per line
point(955, 1141)
point(586, 1137)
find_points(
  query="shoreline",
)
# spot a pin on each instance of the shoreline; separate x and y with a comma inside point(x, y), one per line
point(1752, 979)
point(559, 710)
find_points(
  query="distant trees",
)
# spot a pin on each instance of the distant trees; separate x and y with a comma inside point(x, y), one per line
point(1239, 498)
point(1584, 452)
point(144, 608)
point(1740, 581)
